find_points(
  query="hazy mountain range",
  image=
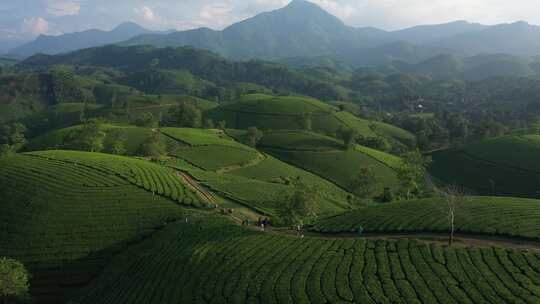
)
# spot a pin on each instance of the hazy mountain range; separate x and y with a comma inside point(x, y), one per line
point(75, 41)
point(304, 32)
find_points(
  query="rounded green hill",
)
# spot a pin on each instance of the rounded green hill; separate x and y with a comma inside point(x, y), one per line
point(288, 113)
point(213, 261)
point(503, 166)
point(495, 216)
point(328, 158)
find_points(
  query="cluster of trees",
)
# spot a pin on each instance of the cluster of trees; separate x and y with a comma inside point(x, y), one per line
point(12, 138)
point(443, 129)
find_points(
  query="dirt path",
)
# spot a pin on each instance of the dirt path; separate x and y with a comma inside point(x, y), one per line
point(166, 105)
point(195, 185)
point(260, 158)
point(463, 240)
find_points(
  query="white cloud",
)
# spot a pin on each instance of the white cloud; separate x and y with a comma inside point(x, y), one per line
point(148, 14)
point(63, 7)
point(343, 11)
point(35, 26)
point(218, 14)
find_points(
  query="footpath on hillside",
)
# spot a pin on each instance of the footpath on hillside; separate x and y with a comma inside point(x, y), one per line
point(460, 239)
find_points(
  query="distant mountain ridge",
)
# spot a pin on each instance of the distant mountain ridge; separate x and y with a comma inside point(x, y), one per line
point(303, 29)
point(52, 45)
point(304, 32)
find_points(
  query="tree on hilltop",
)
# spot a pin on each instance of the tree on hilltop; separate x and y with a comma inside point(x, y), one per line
point(186, 114)
point(88, 137)
point(154, 147)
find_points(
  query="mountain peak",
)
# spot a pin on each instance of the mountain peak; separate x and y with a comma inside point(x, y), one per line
point(302, 4)
point(128, 26)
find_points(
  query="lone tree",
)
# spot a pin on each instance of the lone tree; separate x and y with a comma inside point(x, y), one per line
point(253, 136)
point(364, 184)
point(209, 123)
point(89, 137)
point(411, 172)
point(115, 142)
point(222, 124)
point(154, 147)
point(454, 199)
point(349, 136)
point(186, 114)
point(13, 281)
point(300, 205)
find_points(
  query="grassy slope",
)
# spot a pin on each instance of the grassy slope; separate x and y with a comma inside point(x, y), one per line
point(211, 149)
point(53, 210)
point(52, 140)
point(484, 215)
point(213, 261)
point(256, 180)
point(241, 173)
point(323, 156)
point(284, 112)
point(505, 166)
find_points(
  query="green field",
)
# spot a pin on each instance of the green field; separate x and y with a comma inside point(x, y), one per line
point(300, 141)
point(154, 178)
point(324, 156)
point(57, 210)
point(212, 261)
point(211, 149)
point(65, 213)
point(511, 217)
point(135, 137)
point(201, 137)
point(504, 166)
point(266, 186)
point(285, 113)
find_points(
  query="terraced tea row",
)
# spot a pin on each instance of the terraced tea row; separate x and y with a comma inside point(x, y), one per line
point(152, 177)
point(479, 215)
point(267, 186)
point(211, 149)
point(53, 210)
point(214, 262)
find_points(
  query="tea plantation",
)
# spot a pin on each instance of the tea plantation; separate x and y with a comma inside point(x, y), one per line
point(496, 216)
point(60, 205)
point(286, 113)
point(325, 157)
point(211, 149)
point(212, 261)
point(503, 166)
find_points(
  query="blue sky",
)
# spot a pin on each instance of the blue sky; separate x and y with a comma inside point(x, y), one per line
point(25, 19)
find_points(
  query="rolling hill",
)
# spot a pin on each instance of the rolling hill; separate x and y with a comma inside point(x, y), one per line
point(246, 176)
point(287, 113)
point(328, 158)
point(505, 166)
point(64, 214)
point(492, 216)
point(214, 261)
